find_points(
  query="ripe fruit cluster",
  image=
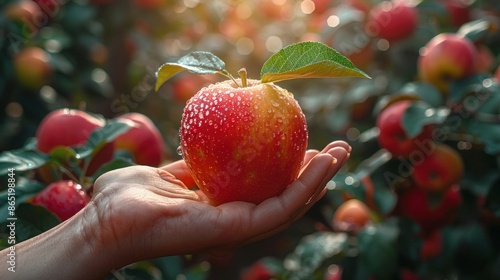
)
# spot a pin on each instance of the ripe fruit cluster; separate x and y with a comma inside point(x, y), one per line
point(68, 176)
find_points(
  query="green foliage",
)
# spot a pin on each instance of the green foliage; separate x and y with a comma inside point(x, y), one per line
point(307, 60)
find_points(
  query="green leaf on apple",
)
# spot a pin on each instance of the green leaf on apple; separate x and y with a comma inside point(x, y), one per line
point(308, 60)
point(420, 114)
point(195, 62)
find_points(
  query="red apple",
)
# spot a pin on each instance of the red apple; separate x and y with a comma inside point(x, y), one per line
point(243, 142)
point(69, 128)
point(392, 135)
point(459, 11)
point(432, 245)
point(415, 204)
point(258, 271)
point(351, 216)
point(143, 140)
point(485, 59)
point(63, 198)
point(439, 170)
point(28, 13)
point(32, 67)
point(392, 20)
point(446, 57)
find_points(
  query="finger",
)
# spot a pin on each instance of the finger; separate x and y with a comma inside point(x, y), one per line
point(278, 210)
point(341, 144)
point(180, 171)
point(296, 212)
point(308, 156)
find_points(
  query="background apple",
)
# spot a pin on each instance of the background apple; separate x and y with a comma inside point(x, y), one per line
point(416, 204)
point(351, 216)
point(392, 20)
point(71, 127)
point(447, 57)
point(63, 198)
point(28, 13)
point(439, 170)
point(32, 67)
point(392, 135)
point(143, 140)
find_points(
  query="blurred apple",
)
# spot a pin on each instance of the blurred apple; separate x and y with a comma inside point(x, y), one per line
point(432, 245)
point(485, 59)
point(351, 216)
point(27, 13)
point(416, 204)
point(447, 57)
point(439, 170)
point(32, 67)
point(392, 20)
point(143, 140)
point(188, 84)
point(459, 11)
point(392, 135)
point(70, 128)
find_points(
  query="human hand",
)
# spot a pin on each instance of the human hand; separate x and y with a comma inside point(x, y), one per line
point(146, 212)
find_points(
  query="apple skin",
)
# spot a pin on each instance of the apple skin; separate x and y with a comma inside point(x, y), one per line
point(143, 140)
point(432, 245)
point(459, 12)
point(63, 198)
point(392, 134)
point(243, 143)
point(392, 20)
point(28, 13)
point(351, 216)
point(446, 57)
point(414, 204)
point(70, 127)
point(32, 67)
point(439, 170)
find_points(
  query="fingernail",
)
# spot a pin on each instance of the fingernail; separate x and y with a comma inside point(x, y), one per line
point(349, 149)
point(334, 160)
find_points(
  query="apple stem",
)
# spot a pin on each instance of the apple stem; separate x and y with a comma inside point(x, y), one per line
point(243, 75)
point(227, 74)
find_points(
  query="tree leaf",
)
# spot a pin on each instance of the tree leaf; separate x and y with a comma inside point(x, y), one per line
point(312, 251)
point(195, 62)
point(308, 60)
point(33, 220)
point(98, 137)
point(23, 159)
point(377, 249)
point(420, 114)
point(25, 189)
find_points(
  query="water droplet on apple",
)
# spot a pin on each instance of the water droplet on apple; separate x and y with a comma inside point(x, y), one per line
point(179, 150)
point(274, 103)
point(231, 94)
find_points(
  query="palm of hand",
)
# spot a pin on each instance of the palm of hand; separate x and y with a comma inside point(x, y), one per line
point(152, 212)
